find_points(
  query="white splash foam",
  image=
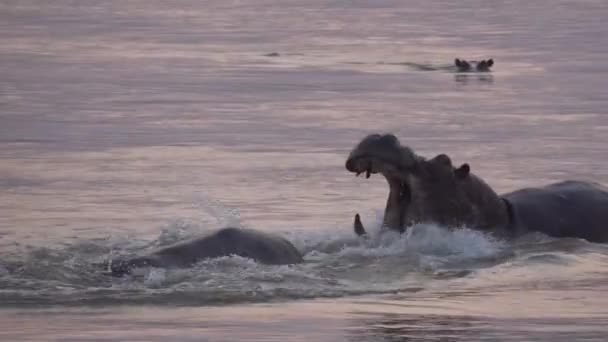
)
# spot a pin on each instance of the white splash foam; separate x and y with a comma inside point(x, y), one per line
point(214, 210)
point(177, 230)
point(424, 239)
point(461, 242)
point(155, 277)
point(336, 260)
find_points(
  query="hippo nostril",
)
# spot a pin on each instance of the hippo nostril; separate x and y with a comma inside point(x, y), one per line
point(350, 165)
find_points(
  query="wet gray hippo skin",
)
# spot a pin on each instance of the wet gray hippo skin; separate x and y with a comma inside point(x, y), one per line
point(263, 247)
point(433, 190)
point(565, 209)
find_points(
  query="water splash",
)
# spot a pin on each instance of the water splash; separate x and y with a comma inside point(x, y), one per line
point(337, 263)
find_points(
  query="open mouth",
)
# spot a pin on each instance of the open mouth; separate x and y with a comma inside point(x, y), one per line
point(400, 195)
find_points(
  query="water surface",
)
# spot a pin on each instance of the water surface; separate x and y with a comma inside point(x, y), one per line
point(130, 125)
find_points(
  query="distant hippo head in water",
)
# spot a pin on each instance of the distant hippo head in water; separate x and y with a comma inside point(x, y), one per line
point(423, 190)
point(465, 66)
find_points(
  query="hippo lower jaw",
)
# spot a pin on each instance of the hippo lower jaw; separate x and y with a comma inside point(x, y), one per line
point(399, 197)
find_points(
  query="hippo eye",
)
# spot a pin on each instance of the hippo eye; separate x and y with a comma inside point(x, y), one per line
point(462, 171)
point(431, 173)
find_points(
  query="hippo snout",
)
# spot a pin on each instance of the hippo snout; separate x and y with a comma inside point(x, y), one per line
point(350, 165)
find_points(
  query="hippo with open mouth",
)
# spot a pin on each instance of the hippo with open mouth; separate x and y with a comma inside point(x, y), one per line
point(434, 191)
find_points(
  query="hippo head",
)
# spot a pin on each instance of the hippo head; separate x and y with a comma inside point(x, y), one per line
point(465, 66)
point(462, 65)
point(421, 190)
point(484, 65)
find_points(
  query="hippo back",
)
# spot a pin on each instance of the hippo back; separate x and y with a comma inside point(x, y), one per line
point(565, 209)
point(263, 247)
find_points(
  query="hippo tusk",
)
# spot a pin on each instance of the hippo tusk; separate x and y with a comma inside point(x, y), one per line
point(368, 172)
point(359, 229)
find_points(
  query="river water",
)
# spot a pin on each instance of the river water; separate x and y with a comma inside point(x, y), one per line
point(128, 125)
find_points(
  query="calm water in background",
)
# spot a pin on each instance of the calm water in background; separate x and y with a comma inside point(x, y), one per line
point(125, 125)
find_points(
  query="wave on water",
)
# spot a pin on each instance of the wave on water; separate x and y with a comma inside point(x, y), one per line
point(336, 264)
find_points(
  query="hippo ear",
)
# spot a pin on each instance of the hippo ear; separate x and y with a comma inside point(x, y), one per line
point(443, 159)
point(463, 171)
point(490, 62)
point(388, 139)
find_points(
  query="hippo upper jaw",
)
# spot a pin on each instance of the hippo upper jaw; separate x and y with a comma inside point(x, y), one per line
point(370, 164)
point(384, 155)
point(399, 196)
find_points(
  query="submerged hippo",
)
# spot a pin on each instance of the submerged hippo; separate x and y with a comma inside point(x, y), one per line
point(465, 66)
point(433, 190)
point(263, 247)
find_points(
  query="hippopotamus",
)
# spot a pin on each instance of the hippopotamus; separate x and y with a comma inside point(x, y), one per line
point(466, 66)
point(262, 247)
point(434, 191)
